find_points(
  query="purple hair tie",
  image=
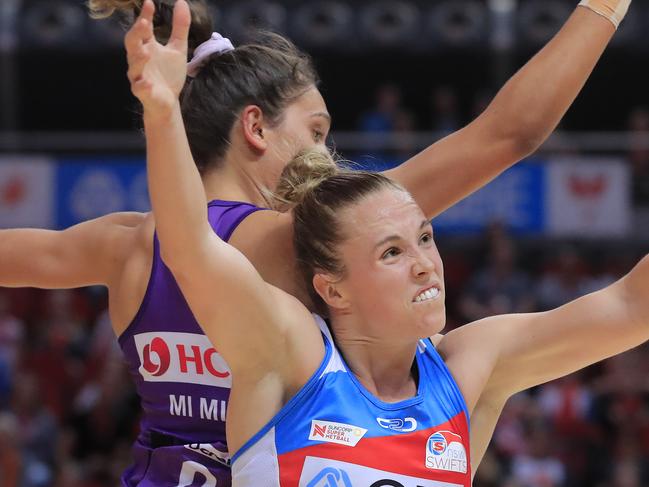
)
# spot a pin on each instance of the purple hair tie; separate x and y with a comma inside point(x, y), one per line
point(217, 44)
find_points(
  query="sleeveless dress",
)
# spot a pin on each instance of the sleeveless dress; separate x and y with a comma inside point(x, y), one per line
point(335, 433)
point(183, 382)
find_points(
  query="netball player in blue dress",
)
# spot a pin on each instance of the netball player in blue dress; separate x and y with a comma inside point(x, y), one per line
point(369, 400)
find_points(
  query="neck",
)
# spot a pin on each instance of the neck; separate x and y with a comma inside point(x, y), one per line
point(233, 181)
point(383, 366)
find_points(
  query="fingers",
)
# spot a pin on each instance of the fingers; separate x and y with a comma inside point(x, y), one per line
point(148, 9)
point(142, 30)
point(182, 20)
point(136, 41)
point(136, 38)
point(138, 51)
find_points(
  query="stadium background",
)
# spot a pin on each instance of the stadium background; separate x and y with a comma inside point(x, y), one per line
point(397, 75)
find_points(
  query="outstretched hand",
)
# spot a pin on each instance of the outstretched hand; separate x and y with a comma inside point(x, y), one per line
point(157, 72)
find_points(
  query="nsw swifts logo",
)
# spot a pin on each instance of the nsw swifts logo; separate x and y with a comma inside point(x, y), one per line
point(445, 451)
point(181, 357)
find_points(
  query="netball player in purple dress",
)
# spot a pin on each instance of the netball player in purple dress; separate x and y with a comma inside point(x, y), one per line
point(246, 113)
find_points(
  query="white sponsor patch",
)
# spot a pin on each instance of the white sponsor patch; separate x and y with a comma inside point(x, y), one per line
point(339, 433)
point(208, 450)
point(322, 472)
point(445, 451)
point(181, 357)
point(405, 425)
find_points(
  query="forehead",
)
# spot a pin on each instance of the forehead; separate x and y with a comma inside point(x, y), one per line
point(310, 103)
point(388, 211)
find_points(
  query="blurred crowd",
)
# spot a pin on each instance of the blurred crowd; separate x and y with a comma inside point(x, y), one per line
point(68, 411)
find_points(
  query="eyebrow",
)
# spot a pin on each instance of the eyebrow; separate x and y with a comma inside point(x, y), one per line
point(424, 223)
point(324, 115)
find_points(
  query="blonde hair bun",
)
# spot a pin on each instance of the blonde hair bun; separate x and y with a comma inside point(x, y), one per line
point(302, 175)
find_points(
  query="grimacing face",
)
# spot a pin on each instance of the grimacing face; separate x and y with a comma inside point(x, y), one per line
point(394, 277)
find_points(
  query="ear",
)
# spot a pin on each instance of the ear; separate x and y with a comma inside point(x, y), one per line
point(253, 125)
point(330, 291)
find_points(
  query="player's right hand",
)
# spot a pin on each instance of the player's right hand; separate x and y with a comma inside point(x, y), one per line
point(157, 72)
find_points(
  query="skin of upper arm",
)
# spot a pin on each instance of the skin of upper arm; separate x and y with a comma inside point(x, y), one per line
point(267, 337)
point(484, 418)
point(90, 253)
point(256, 327)
point(484, 413)
point(484, 409)
point(455, 166)
point(545, 346)
point(512, 353)
point(266, 239)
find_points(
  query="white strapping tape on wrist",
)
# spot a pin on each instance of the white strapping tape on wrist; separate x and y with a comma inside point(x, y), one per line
point(613, 10)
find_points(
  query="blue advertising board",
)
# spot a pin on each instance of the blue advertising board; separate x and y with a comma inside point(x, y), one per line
point(516, 199)
point(90, 187)
point(94, 186)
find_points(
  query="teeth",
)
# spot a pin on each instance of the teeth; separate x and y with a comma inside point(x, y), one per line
point(428, 294)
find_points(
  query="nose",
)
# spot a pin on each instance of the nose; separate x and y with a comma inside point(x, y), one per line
point(422, 264)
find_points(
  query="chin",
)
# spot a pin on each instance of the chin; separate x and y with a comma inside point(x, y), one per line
point(434, 323)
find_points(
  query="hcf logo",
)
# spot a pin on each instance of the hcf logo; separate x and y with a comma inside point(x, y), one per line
point(181, 357)
point(159, 348)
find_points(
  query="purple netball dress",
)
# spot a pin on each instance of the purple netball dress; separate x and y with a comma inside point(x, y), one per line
point(181, 379)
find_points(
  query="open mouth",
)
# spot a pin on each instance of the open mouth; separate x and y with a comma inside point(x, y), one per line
point(427, 295)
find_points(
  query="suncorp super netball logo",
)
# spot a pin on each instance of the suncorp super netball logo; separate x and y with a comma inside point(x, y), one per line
point(445, 451)
point(340, 433)
point(181, 357)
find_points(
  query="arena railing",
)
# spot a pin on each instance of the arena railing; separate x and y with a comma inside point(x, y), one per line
point(356, 142)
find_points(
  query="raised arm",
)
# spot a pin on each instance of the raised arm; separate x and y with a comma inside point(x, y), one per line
point(494, 358)
point(90, 253)
point(521, 116)
point(516, 352)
